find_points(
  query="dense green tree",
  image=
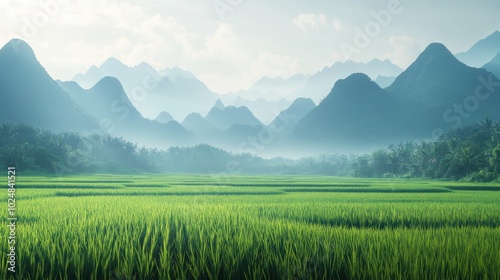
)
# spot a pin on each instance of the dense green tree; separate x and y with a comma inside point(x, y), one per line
point(495, 159)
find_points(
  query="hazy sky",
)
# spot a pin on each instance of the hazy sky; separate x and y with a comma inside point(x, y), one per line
point(230, 44)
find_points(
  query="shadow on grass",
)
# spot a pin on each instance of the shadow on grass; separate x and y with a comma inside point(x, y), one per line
point(475, 188)
point(83, 194)
point(64, 186)
point(369, 190)
point(277, 185)
point(410, 223)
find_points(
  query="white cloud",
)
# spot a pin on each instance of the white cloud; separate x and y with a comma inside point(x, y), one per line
point(337, 24)
point(274, 65)
point(405, 50)
point(310, 21)
point(229, 55)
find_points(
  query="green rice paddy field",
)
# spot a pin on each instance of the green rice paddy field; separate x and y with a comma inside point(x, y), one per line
point(252, 227)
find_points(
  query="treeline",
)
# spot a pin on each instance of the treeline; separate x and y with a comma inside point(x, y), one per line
point(37, 151)
point(471, 153)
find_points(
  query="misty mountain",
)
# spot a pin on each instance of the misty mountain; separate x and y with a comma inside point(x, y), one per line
point(435, 94)
point(196, 123)
point(232, 130)
point(176, 72)
point(384, 81)
point(264, 110)
point(356, 113)
point(280, 85)
point(320, 84)
point(153, 92)
point(448, 93)
point(274, 89)
point(289, 117)
point(482, 51)
point(108, 103)
point(31, 96)
point(239, 138)
point(112, 67)
point(219, 105)
point(164, 117)
point(231, 115)
point(267, 97)
point(494, 65)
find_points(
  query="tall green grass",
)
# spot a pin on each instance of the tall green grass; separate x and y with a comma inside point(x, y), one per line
point(200, 232)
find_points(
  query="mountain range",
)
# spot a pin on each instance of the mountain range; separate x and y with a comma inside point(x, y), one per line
point(320, 84)
point(107, 102)
point(436, 93)
point(482, 51)
point(151, 91)
point(494, 65)
point(30, 95)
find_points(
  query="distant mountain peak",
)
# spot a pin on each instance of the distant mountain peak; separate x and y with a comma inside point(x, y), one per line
point(357, 77)
point(493, 38)
point(357, 84)
point(164, 117)
point(108, 80)
point(482, 51)
point(92, 69)
point(219, 105)
point(112, 62)
point(231, 115)
point(302, 102)
point(108, 84)
point(437, 48)
point(19, 48)
point(495, 34)
point(438, 55)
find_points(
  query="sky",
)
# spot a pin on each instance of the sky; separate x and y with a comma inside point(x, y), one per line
point(230, 44)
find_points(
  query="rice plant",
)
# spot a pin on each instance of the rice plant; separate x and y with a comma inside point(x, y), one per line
point(157, 228)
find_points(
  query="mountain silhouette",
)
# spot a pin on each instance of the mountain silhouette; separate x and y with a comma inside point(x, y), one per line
point(31, 96)
point(196, 123)
point(357, 112)
point(263, 109)
point(108, 103)
point(176, 72)
point(231, 115)
point(273, 89)
point(289, 117)
point(436, 93)
point(320, 84)
point(494, 66)
point(154, 91)
point(164, 117)
point(482, 51)
point(441, 92)
point(219, 105)
point(436, 77)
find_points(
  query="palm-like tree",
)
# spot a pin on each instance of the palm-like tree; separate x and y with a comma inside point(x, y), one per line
point(467, 159)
